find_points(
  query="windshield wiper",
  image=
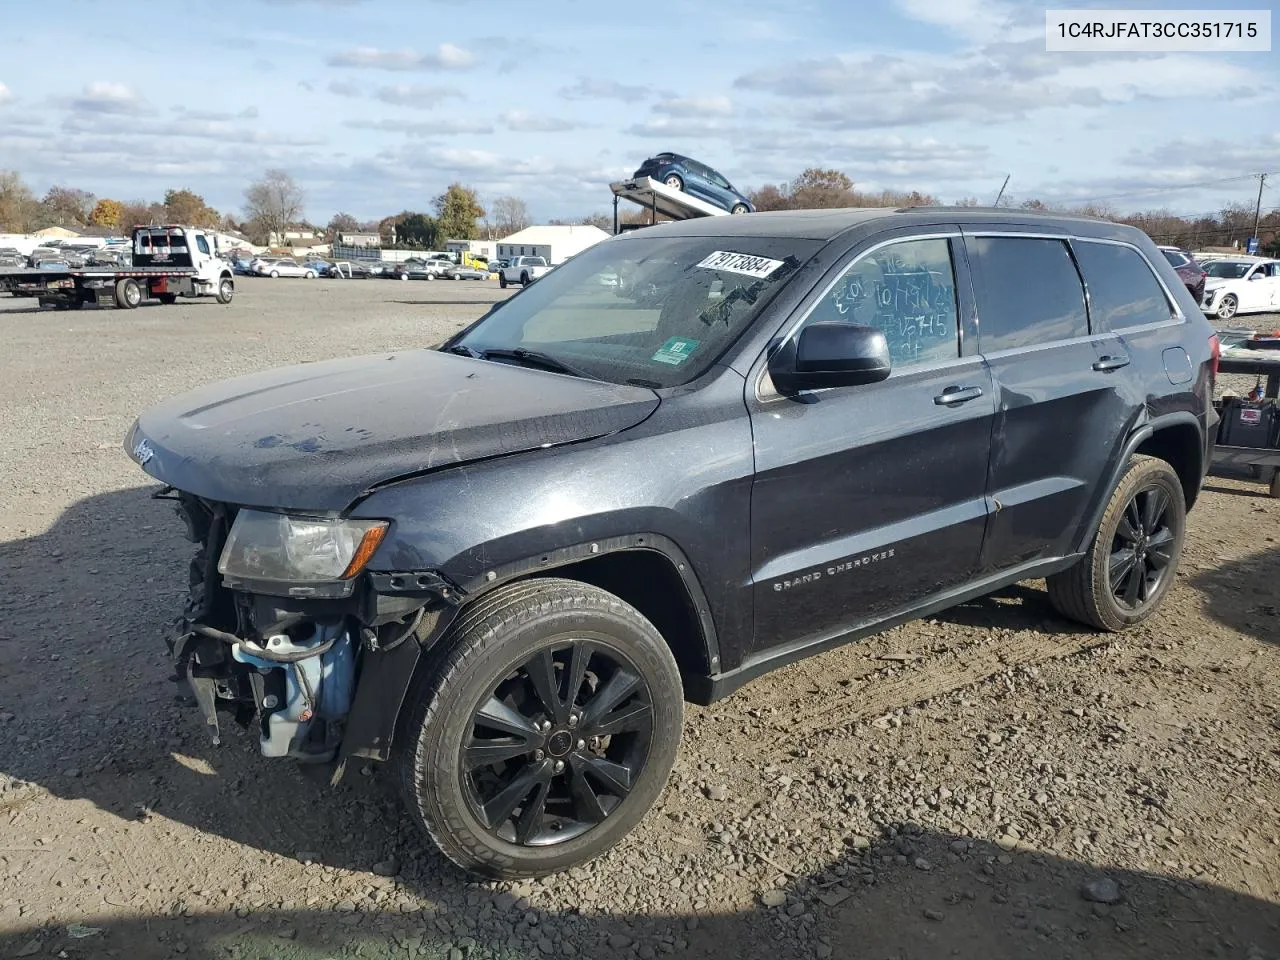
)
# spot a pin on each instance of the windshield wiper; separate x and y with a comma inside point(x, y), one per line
point(533, 358)
point(463, 350)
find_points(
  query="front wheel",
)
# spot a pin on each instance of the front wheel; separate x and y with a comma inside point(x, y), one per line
point(226, 290)
point(739, 208)
point(168, 299)
point(544, 732)
point(1227, 307)
point(1131, 563)
point(502, 280)
point(674, 182)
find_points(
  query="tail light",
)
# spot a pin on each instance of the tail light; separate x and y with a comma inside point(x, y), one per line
point(1215, 354)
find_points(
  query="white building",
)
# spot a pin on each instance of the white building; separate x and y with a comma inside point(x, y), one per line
point(555, 244)
point(477, 248)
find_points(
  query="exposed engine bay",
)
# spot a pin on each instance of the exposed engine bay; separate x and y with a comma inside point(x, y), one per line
point(292, 665)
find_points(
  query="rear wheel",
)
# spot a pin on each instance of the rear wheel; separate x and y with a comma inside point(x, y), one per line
point(274, 274)
point(524, 279)
point(167, 298)
point(128, 293)
point(545, 730)
point(1132, 561)
point(309, 275)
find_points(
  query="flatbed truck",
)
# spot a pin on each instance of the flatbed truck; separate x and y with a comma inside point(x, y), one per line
point(169, 262)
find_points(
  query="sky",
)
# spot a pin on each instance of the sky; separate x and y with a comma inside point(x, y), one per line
point(375, 106)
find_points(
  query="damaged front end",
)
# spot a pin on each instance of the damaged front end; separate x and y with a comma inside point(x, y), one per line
point(282, 626)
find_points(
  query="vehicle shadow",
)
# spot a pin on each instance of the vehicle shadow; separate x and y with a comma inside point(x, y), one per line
point(86, 715)
point(1243, 594)
point(1020, 606)
point(969, 900)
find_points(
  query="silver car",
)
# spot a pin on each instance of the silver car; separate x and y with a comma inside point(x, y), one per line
point(286, 268)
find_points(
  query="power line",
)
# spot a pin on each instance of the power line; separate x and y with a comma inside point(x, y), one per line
point(1157, 191)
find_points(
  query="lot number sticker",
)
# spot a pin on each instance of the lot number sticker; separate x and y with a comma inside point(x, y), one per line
point(675, 351)
point(743, 263)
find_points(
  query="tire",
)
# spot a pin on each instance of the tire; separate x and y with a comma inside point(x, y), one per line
point(274, 274)
point(674, 182)
point(524, 279)
point(309, 275)
point(502, 280)
point(739, 208)
point(404, 276)
point(1227, 307)
point(128, 294)
point(1274, 487)
point(168, 299)
point(226, 290)
point(1087, 592)
point(484, 659)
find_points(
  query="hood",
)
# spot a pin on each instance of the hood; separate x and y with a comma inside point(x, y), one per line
point(1213, 283)
point(318, 436)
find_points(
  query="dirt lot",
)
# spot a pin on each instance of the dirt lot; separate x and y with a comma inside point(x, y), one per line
point(994, 782)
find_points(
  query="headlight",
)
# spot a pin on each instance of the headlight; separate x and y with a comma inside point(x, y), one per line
point(284, 549)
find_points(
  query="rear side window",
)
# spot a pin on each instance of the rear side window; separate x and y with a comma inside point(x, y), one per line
point(908, 290)
point(1123, 292)
point(1175, 258)
point(1029, 292)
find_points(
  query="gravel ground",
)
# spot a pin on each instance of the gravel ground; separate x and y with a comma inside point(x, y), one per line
point(994, 782)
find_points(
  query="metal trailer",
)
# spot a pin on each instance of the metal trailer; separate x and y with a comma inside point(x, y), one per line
point(1236, 357)
point(658, 198)
point(67, 288)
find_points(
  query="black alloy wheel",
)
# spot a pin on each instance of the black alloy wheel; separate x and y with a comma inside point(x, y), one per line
point(558, 744)
point(1143, 548)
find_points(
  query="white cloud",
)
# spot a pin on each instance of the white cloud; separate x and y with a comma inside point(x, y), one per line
point(446, 56)
point(423, 128)
point(107, 97)
point(695, 106)
point(977, 19)
point(591, 89)
point(680, 128)
point(420, 96)
point(522, 122)
point(5, 94)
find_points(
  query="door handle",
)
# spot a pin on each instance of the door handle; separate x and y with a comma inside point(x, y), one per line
point(953, 395)
point(1111, 363)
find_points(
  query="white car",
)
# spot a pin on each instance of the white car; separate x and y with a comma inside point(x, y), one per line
point(1241, 285)
point(286, 268)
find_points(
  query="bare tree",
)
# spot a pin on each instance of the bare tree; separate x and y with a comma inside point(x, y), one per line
point(273, 203)
point(19, 209)
point(510, 215)
point(67, 206)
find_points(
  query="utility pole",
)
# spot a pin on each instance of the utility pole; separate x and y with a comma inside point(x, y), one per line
point(1001, 193)
point(1257, 210)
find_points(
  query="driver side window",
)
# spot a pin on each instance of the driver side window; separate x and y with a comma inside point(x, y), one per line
point(906, 289)
point(202, 244)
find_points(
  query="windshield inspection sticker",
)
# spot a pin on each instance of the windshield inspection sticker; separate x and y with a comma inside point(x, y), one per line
point(675, 351)
point(743, 263)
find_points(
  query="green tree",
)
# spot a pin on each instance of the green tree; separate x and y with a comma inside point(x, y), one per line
point(457, 212)
point(189, 209)
point(342, 223)
point(418, 230)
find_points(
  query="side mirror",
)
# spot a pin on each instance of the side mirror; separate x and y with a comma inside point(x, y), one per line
point(1257, 275)
point(830, 354)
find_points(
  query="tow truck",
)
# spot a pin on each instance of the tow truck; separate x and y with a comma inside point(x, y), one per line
point(169, 261)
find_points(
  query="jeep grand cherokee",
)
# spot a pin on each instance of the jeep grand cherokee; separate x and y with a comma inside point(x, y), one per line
point(505, 562)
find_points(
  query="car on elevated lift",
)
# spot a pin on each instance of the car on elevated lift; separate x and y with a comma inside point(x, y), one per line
point(502, 563)
point(695, 178)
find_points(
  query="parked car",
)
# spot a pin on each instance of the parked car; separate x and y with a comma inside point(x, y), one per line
point(496, 266)
point(1241, 285)
point(461, 272)
point(432, 269)
point(321, 267)
point(352, 270)
point(241, 266)
point(286, 268)
point(1191, 272)
point(523, 270)
point(474, 581)
point(696, 179)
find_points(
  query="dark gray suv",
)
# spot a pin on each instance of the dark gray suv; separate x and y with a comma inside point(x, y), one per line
point(691, 454)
